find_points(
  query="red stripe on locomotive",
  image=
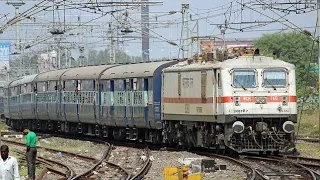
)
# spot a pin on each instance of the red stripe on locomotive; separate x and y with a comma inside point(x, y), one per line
point(225, 99)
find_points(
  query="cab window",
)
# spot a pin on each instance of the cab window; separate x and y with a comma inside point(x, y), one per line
point(274, 78)
point(244, 79)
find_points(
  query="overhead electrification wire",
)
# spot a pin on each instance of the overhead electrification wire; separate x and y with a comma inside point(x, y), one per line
point(297, 28)
point(280, 15)
point(75, 27)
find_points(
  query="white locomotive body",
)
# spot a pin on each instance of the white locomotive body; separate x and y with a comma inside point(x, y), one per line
point(246, 103)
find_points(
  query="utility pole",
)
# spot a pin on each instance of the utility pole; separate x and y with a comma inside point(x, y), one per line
point(111, 33)
point(81, 57)
point(223, 29)
point(112, 50)
point(318, 31)
point(145, 31)
point(185, 29)
point(17, 5)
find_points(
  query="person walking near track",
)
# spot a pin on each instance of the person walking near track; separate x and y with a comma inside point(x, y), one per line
point(8, 165)
point(31, 142)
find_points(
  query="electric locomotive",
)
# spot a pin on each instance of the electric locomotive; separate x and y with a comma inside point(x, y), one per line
point(245, 103)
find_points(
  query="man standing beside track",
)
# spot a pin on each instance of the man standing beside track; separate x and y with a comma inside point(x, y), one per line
point(31, 142)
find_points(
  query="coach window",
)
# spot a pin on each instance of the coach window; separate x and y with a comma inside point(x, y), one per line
point(69, 85)
point(274, 78)
point(244, 79)
point(52, 85)
point(87, 85)
point(25, 91)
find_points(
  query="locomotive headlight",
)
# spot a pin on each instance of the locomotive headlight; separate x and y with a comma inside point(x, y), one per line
point(238, 127)
point(237, 100)
point(288, 127)
point(284, 100)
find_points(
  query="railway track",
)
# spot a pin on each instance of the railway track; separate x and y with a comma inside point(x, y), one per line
point(312, 140)
point(49, 165)
point(147, 165)
point(252, 173)
point(311, 163)
point(309, 167)
point(280, 168)
point(99, 165)
point(85, 158)
point(93, 170)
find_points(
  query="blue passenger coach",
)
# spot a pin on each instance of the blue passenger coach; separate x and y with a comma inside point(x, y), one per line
point(48, 96)
point(131, 97)
point(119, 100)
point(21, 98)
point(3, 97)
point(80, 97)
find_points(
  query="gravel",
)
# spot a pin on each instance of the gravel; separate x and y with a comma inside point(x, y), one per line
point(173, 159)
point(128, 158)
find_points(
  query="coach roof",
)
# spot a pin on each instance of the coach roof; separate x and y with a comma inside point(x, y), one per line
point(134, 70)
point(22, 80)
point(239, 62)
point(50, 75)
point(255, 62)
point(88, 72)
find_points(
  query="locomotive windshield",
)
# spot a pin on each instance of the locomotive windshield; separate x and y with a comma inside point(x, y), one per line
point(244, 79)
point(274, 78)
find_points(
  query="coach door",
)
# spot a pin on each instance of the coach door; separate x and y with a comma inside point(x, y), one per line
point(129, 103)
point(214, 91)
point(41, 100)
point(218, 92)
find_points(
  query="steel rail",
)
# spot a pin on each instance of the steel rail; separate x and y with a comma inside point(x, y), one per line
point(313, 163)
point(144, 170)
point(48, 166)
point(252, 175)
point(278, 159)
point(86, 158)
point(89, 172)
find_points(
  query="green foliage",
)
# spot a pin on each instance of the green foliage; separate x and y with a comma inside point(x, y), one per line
point(102, 57)
point(295, 48)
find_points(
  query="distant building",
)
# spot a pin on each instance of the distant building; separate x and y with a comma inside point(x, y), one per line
point(46, 61)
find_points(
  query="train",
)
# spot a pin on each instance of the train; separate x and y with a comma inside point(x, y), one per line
point(245, 103)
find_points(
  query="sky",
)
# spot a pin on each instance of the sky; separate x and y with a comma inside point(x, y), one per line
point(163, 26)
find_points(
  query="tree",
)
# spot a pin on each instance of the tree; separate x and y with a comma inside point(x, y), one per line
point(295, 48)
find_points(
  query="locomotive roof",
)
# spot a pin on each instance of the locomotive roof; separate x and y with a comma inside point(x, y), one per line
point(88, 72)
point(239, 62)
point(50, 75)
point(22, 80)
point(255, 62)
point(134, 70)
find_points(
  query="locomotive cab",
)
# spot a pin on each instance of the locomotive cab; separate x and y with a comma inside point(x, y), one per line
point(263, 105)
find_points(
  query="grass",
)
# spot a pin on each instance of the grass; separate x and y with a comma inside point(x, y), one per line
point(308, 149)
point(65, 145)
point(309, 125)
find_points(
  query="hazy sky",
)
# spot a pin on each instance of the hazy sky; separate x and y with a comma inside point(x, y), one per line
point(207, 12)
